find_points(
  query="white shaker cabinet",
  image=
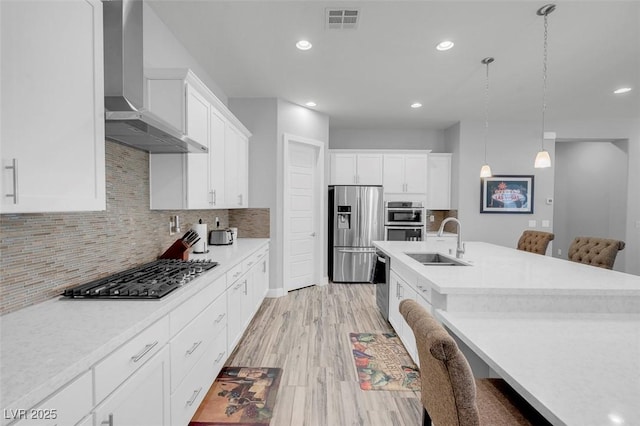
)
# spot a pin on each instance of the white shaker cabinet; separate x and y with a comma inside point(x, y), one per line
point(439, 182)
point(405, 173)
point(217, 179)
point(52, 141)
point(236, 160)
point(399, 290)
point(355, 168)
point(143, 399)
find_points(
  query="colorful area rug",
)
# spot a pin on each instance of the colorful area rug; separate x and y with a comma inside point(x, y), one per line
point(382, 362)
point(240, 396)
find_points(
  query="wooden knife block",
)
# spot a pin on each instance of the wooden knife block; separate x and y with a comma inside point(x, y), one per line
point(178, 250)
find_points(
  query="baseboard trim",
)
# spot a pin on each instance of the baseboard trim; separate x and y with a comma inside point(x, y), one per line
point(276, 292)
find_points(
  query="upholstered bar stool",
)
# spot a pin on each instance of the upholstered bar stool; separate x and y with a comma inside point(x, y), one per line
point(535, 241)
point(600, 252)
point(449, 393)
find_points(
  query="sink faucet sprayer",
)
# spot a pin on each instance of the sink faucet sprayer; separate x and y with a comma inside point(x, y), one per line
point(460, 247)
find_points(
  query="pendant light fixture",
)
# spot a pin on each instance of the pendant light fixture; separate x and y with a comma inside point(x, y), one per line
point(543, 160)
point(485, 171)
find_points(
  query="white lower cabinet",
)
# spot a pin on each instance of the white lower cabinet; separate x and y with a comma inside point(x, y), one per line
point(236, 308)
point(192, 390)
point(123, 362)
point(160, 376)
point(143, 399)
point(67, 407)
point(190, 344)
point(399, 290)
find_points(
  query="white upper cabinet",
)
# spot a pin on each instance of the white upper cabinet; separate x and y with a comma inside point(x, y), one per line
point(236, 163)
point(52, 106)
point(218, 167)
point(217, 179)
point(355, 168)
point(439, 182)
point(405, 173)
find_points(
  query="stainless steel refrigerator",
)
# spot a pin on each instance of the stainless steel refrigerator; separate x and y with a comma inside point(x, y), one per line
point(355, 220)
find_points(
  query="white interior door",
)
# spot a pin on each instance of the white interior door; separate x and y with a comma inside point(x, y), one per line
point(303, 206)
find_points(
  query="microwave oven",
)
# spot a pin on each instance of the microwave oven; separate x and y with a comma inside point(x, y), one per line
point(404, 213)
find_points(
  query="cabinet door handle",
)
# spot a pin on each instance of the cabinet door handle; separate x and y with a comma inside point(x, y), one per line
point(245, 287)
point(264, 266)
point(215, 197)
point(220, 355)
point(109, 421)
point(193, 397)
point(194, 347)
point(14, 168)
point(239, 199)
point(144, 351)
point(249, 264)
point(219, 318)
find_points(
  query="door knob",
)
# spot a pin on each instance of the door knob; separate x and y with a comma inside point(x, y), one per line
point(313, 234)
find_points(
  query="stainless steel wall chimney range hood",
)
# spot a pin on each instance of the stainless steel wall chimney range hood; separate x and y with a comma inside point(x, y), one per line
point(126, 120)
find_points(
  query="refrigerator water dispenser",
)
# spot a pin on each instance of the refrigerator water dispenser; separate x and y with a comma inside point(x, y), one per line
point(344, 217)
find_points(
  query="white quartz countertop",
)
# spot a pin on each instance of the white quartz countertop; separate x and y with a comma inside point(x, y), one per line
point(46, 345)
point(502, 270)
point(576, 369)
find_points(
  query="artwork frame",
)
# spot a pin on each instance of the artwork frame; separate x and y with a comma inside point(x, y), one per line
point(517, 190)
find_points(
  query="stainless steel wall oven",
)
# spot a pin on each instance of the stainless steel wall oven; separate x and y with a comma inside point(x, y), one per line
point(404, 221)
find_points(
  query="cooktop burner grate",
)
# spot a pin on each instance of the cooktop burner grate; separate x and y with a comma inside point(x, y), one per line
point(149, 281)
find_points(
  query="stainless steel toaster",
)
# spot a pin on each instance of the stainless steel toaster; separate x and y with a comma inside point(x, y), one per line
point(220, 237)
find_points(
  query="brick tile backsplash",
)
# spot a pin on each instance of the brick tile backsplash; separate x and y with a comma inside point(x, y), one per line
point(41, 254)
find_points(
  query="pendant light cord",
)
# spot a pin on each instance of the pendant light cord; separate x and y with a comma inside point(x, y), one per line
point(544, 78)
point(486, 113)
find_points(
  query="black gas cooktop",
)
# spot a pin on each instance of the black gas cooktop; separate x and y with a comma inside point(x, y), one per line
point(149, 281)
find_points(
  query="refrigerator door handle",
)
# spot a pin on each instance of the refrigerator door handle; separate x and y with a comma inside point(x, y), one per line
point(356, 251)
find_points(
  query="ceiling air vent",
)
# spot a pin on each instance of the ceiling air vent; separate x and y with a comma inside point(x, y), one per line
point(342, 19)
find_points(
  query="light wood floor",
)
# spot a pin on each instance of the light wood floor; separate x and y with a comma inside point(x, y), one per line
point(306, 333)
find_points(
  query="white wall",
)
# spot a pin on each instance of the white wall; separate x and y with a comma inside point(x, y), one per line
point(624, 130)
point(452, 144)
point(269, 119)
point(590, 193)
point(511, 151)
point(163, 50)
point(387, 139)
point(296, 120)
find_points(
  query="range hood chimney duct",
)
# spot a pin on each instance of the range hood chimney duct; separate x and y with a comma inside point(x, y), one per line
point(126, 120)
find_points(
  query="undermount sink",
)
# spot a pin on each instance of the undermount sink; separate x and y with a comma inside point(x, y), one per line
point(436, 259)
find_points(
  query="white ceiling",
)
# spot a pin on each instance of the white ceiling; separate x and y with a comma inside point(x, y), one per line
point(368, 77)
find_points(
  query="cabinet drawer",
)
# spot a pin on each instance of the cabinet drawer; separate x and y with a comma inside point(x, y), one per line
point(404, 272)
point(424, 289)
point(252, 260)
point(234, 273)
point(188, 396)
point(67, 407)
point(121, 363)
point(184, 313)
point(189, 345)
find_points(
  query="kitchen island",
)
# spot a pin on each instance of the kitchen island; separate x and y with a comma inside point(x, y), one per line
point(504, 279)
point(564, 335)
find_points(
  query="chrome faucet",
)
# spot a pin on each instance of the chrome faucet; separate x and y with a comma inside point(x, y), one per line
point(460, 247)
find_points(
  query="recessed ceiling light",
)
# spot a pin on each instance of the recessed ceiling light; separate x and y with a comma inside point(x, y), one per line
point(622, 90)
point(310, 104)
point(416, 105)
point(303, 45)
point(445, 45)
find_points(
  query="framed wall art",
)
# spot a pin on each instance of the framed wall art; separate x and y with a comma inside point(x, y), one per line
point(506, 194)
